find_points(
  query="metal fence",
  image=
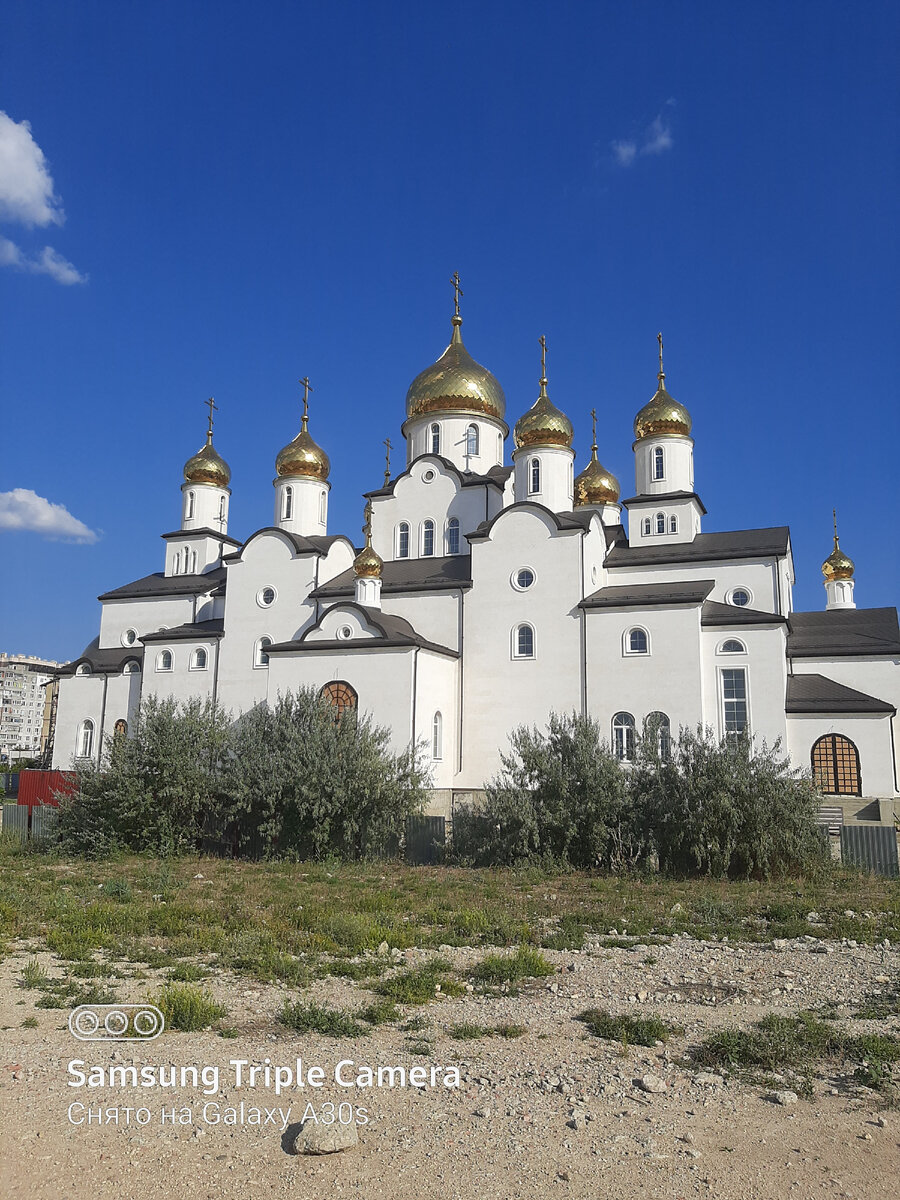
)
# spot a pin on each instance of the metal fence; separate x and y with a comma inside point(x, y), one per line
point(872, 847)
point(15, 820)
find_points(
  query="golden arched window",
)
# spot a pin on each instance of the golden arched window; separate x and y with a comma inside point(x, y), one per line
point(340, 694)
point(835, 765)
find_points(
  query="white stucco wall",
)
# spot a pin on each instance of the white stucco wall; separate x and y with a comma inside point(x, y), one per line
point(145, 615)
point(453, 441)
point(871, 734)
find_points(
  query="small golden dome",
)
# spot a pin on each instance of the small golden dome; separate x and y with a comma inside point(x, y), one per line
point(303, 457)
point(596, 485)
point(207, 466)
point(543, 424)
point(368, 563)
point(837, 565)
point(455, 383)
point(662, 416)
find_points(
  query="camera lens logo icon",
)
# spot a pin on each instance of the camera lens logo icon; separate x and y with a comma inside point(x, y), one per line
point(116, 1022)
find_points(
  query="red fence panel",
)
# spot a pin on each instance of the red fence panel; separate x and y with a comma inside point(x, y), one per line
point(38, 787)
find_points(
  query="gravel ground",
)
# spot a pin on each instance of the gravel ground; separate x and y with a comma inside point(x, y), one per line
point(555, 1111)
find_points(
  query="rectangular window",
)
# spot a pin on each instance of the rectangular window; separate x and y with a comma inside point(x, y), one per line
point(734, 700)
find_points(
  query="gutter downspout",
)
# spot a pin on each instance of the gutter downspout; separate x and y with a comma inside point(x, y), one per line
point(584, 681)
point(415, 673)
point(102, 718)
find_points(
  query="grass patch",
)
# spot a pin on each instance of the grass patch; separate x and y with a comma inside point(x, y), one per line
point(881, 1007)
point(186, 973)
point(631, 1031)
point(420, 1046)
point(30, 1023)
point(468, 1031)
point(34, 975)
point(68, 993)
point(418, 985)
point(187, 1007)
point(118, 889)
point(317, 1018)
point(569, 934)
point(380, 1012)
point(511, 1030)
point(525, 963)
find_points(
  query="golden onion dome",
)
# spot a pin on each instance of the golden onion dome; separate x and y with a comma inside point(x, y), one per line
point(368, 564)
point(662, 415)
point(596, 485)
point(207, 466)
point(543, 424)
point(455, 383)
point(303, 456)
point(837, 565)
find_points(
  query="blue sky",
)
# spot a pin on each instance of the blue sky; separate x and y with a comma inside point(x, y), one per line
point(238, 195)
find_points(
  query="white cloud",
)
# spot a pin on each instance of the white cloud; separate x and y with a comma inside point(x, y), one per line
point(22, 509)
point(48, 262)
point(656, 140)
point(26, 186)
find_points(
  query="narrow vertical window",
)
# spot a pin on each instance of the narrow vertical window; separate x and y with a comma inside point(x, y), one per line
point(734, 701)
point(287, 507)
point(534, 475)
point(660, 522)
point(623, 736)
point(435, 438)
point(190, 506)
point(437, 737)
point(657, 728)
point(659, 463)
point(428, 539)
point(472, 440)
point(86, 739)
point(221, 508)
point(524, 642)
point(453, 536)
point(403, 540)
point(261, 656)
point(648, 527)
point(322, 496)
point(673, 524)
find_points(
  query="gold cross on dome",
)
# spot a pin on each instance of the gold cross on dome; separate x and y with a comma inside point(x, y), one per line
point(387, 460)
point(367, 528)
point(457, 290)
point(594, 421)
point(213, 407)
point(307, 388)
point(543, 342)
point(659, 339)
point(834, 516)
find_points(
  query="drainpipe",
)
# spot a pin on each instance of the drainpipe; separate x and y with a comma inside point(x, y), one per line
point(103, 717)
point(584, 682)
point(415, 672)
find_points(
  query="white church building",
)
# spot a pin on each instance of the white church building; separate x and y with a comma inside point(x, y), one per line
point(489, 595)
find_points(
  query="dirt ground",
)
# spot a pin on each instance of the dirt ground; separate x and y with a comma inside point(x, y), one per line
point(555, 1111)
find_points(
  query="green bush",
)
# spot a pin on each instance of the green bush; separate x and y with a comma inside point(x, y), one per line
point(187, 1007)
point(526, 963)
point(632, 1031)
point(317, 1018)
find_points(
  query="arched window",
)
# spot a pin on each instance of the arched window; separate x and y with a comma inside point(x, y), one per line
point(132, 668)
point(221, 508)
point(835, 766)
point(623, 736)
point(732, 646)
point(453, 536)
point(403, 540)
point(322, 503)
point(648, 526)
point(260, 653)
point(199, 660)
point(637, 642)
point(435, 438)
point(428, 538)
point(534, 475)
point(85, 742)
point(437, 737)
point(341, 695)
point(472, 440)
point(673, 524)
point(660, 522)
point(193, 562)
point(84, 669)
point(287, 504)
point(659, 463)
point(658, 729)
point(190, 506)
point(523, 644)
point(120, 729)
point(164, 660)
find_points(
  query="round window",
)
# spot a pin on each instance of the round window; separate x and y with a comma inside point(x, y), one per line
point(129, 637)
point(523, 578)
point(345, 632)
point(740, 597)
point(266, 597)
point(427, 476)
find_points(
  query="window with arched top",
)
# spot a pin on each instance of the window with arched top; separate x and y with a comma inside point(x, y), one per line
point(732, 646)
point(199, 660)
point(261, 652)
point(637, 642)
point(660, 522)
point(190, 505)
point(84, 744)
point(323, 502)
point(523, 642)
point(83, 669)
point(437, 737)
point(658, 729)
point(222, 503)
point(659, 463)
point(340, 695)
point(673, 524)
point(164, 660)
point(472, 440)
point(623, 736)
point(835, 766)
point(648, 526)
point(287, 503)
point(534, 475)
point(435, 438)
point(403, 540)
point(132, 668)
point(453, 536)
point(427, 538)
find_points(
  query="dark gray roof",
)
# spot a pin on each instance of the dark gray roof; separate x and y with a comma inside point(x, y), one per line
point(817, 694)
point(662, 498)
point(497, 476)
point(198, 632)
point(303, 545)
point(395, 631)
point(650, 595)
point(205, 531)
point(714, 613)
point(407, 575)
point(843, 632)
point(706, 547)
point(110, 661)
point(168, 585)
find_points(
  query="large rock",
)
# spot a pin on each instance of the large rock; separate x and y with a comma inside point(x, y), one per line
point(652, 1083)
point(316, 1138)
